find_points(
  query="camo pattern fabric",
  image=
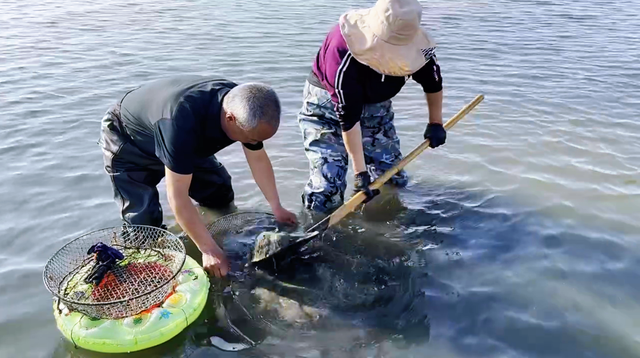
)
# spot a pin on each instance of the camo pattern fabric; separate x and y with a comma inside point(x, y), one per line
point(328, 158)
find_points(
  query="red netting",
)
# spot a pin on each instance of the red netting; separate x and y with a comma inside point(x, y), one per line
point(134, 278)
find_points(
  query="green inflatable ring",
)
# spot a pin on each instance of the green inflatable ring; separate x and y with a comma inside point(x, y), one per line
point(145, 330)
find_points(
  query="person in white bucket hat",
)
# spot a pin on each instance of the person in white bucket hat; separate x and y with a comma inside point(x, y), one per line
point(364, 61)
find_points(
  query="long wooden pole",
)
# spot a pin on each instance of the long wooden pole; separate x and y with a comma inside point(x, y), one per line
point(357, 199)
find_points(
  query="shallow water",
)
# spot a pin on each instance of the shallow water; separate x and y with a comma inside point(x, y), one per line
point(519, 237)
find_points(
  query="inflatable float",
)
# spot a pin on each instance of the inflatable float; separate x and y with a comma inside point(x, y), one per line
point(148, 297)
point(147, 329)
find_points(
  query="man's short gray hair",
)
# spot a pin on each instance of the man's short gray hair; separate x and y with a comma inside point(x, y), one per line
point(253, 103)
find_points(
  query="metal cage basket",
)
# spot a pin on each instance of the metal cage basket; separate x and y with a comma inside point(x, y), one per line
point(153, 257)
point(242, 222)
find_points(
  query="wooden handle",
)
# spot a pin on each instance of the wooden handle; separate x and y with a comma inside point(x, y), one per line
point(357, 199)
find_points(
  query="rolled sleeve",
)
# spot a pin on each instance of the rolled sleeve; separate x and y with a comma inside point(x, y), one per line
point(253, 147)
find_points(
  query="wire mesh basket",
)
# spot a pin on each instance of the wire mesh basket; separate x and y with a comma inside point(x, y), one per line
point(238, 233)
point(242, 223)
point(143, 279)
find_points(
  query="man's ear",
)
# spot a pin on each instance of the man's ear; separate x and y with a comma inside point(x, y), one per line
point(229, 117)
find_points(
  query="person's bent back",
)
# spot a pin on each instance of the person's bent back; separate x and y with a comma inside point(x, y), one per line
point(172, 128)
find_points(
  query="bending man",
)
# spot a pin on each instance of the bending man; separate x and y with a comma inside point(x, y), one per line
point(172, 128)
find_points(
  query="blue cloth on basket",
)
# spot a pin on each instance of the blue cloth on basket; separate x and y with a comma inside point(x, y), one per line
point(106, 257)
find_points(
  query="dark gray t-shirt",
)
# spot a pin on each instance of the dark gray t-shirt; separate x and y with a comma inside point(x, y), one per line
point(177, 119)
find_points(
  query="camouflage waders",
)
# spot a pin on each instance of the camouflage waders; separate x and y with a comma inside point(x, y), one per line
point(328, 158)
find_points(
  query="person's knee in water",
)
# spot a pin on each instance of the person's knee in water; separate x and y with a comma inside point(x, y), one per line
point(347, 98)
point(172, 128)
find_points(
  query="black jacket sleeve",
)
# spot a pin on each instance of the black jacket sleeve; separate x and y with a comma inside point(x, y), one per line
point(349, 93)
point(429, 77)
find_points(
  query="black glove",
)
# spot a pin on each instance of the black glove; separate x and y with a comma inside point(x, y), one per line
point(106, 257)
point(362, 182)
point(98, 272)
point(436, 134)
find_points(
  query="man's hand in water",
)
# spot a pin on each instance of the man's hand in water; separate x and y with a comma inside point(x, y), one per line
point(284, 216)
point(213, 258)
point(215, 262)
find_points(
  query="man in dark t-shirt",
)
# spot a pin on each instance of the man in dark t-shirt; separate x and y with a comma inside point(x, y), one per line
point(172, 128)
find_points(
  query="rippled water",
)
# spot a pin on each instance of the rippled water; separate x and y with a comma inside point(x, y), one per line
point(518, 238)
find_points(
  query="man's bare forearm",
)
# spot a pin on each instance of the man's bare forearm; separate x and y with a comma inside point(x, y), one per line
point(186, 213)
point(353, 143)
point(262, 172)
point(434, 101)
point(189, 220)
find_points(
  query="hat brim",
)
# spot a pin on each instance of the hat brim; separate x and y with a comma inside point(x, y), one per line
point(385, 58)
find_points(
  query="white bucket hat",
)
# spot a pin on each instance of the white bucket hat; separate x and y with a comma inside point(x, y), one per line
point(388, 37)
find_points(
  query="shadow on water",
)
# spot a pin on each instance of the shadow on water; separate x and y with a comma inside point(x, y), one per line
point(455, 272)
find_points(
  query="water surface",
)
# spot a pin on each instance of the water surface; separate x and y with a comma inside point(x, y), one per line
point(519, 236)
